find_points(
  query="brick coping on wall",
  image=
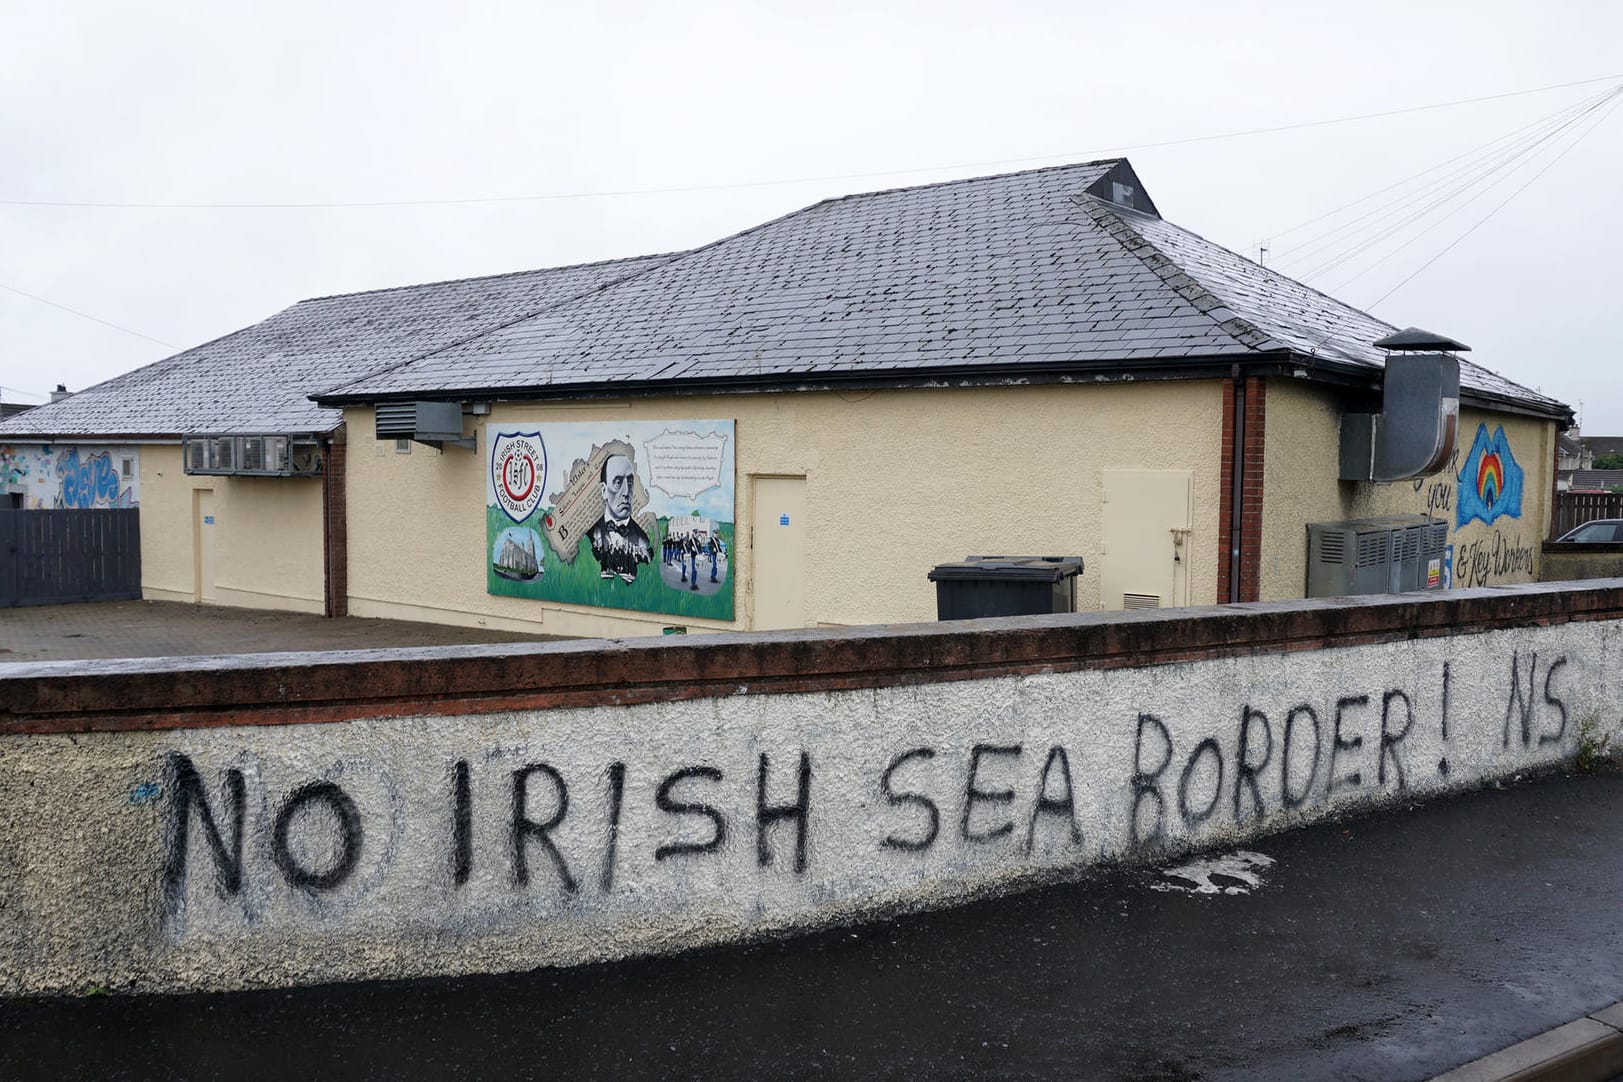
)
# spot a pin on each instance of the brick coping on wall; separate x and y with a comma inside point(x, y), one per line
point(275, 689)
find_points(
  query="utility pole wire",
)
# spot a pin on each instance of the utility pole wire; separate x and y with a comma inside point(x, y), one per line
point(1505, 159)
point(1599, 120)
point(679, 190)
point(1528, 131)
point(86, 315)
point(1416, 238)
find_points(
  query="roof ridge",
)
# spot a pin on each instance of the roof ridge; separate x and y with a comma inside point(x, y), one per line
point(489, 277)
point(1246, 333)
point(677, 257)
point(970, 180)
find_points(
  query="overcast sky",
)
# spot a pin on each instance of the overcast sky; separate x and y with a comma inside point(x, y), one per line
point(295, 102)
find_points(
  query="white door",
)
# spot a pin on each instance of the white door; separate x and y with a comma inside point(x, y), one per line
point(778, 552)
point(1145, 528)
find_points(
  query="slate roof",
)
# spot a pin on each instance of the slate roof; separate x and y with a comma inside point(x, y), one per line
point(1596, 480)
point(1037, 271)
point(1604, 445)
point(258, 380)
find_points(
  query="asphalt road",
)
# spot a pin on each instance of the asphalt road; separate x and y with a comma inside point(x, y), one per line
point(1389, 947)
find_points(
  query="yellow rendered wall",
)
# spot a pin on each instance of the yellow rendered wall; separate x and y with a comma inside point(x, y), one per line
point(267, 540)
point(1300, 486)
point(896, 482)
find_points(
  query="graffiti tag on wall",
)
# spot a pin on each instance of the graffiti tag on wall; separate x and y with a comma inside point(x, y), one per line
point(508, 828)
point(55, 477)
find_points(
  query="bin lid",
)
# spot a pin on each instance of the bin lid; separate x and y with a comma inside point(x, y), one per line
point(1008, 568)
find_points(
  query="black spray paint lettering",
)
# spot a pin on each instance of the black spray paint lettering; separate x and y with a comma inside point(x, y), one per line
point(1338, 745)
point(1245, 771)
point(186, 792)
point(798, 813)
point(1287, 798)
point(1390, 740)
point(974, 794)
point(664, 801)
point(1523, 707)
point(525, 829)
point(1191, 817)
point(904, 799)
point(617, 794)
point(1146, 783)
point(346, 817)
point(461, 823)
point(1055, 805)
point(1442, 763)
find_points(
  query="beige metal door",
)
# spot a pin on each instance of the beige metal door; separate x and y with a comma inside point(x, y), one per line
point(1145, 528)
point(203, 544)
point(778, 548)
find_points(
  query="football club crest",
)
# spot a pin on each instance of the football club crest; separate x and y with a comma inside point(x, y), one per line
point(1490, 482)
point(518, 472)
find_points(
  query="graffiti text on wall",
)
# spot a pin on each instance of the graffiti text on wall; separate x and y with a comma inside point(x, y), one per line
point(512, 825)
point(1492, 558)
point(67, 477)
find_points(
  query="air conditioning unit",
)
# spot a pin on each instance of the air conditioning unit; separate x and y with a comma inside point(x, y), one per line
point(223, 454)
point(433, 423)
point(254, 456)
point(1375, 555)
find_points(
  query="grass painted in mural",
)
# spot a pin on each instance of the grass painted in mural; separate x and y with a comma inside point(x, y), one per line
point(658, 587)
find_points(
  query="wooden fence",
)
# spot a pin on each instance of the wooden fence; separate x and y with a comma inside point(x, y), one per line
point(60, 556)
point(1573, 509)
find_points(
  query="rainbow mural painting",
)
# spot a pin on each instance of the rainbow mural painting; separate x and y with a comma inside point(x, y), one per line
point(1490, 481)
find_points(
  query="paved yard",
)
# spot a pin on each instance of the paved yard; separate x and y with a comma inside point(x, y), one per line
point(172, 628)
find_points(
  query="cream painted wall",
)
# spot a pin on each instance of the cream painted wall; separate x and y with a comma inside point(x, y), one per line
point(1300, 486)
point(267, 541)
point(897, 482)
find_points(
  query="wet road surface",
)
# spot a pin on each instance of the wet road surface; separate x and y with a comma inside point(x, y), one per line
point(1388, 947)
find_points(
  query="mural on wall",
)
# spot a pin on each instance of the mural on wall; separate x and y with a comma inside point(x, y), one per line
point(53, 477)
point(1490, 482)
point(641, 518)
point(1483, 493)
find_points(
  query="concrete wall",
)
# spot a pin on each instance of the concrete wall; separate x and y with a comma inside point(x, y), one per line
point(267, 536)
point(282, 819)
point(1566, 561)
point(1300, 486)
point(896, 482)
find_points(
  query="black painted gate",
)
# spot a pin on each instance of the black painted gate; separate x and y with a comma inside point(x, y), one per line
point(55, 557)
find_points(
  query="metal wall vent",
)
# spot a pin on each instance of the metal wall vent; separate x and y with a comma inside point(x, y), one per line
point(1332, 547)
point(1140, 601)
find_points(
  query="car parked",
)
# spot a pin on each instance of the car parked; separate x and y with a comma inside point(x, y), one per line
point(1596, 532)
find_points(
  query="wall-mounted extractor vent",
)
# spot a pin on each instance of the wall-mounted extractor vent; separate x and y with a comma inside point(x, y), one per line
point(433, 423)
point(252, 456)
point(1389, 555)
point(1415, 432)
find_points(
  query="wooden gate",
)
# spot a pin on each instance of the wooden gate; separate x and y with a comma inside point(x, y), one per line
point(60, 556)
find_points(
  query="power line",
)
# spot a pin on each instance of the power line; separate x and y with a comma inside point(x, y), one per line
point(1599, 120)
point(1457, 210)
point(732, 186)
point(1516, 137)
point(86, 315)
point(1506, 159)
